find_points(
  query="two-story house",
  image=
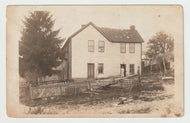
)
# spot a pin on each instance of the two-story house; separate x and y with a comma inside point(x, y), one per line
point(98, 52)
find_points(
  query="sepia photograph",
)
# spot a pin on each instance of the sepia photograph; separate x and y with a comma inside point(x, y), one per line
point(95, 61)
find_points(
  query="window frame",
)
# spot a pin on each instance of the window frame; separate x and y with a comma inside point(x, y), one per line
point(101, 46)
point(131, 70)
point(122, 44)
point(131, 49)
point(89, 46)
point(102, 65)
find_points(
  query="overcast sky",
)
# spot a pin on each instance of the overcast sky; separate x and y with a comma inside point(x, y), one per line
point(147, 19)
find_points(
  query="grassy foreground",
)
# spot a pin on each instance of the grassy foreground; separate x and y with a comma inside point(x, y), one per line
point(154, 96)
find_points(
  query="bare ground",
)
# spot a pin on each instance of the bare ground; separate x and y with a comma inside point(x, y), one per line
point(153, 96)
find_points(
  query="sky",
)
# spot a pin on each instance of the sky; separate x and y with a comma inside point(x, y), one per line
point(147, 19)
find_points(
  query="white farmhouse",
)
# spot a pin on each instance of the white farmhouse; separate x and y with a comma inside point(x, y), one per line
point(97, 52)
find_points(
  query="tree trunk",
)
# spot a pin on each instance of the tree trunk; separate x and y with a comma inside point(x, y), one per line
point(150, 66)
point(164, 64)
point(160, 69)
point(36, 77)
point(39, 77)
point(36, 80)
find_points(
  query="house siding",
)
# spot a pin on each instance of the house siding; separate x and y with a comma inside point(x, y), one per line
point(67, 61)
point(70, 59)
point(111, 57)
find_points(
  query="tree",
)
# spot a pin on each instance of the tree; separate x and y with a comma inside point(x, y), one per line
point(39, 46)
point(160, 48)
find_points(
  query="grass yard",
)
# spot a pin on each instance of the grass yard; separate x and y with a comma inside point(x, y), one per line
point(154, 96)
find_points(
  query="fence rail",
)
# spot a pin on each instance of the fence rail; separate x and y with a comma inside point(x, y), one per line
point(53, 89)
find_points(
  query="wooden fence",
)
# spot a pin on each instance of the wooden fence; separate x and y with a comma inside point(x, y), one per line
point(60, 89)
point(56, 89)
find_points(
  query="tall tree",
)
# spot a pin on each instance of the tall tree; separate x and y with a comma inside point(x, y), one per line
point(160, 48)
point(39, 46)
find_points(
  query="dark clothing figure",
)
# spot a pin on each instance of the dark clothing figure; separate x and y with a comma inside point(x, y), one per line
point(139, 76)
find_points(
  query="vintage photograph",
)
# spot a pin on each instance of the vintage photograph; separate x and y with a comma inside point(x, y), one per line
point(95, 61)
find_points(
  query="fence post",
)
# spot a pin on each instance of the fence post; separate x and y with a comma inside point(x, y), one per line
point(30, 94)
point(139, 76)
point(113, 80)
point(61, 92)
point(89, 84)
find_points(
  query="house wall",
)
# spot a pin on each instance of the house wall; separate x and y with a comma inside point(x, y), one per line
point(66, 65)
point(111, 57)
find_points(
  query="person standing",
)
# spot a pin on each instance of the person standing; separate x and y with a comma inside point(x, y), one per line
point(122, 72)
point(139, 76)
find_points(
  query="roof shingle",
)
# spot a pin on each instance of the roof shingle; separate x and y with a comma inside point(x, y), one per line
point(120, 35)
point(115, 35)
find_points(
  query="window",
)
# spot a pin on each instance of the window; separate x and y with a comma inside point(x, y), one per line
point(101, 45)
point(123, 48)
point(131, 47)
point(132, 69)
point(90, 46)
point(100, 68)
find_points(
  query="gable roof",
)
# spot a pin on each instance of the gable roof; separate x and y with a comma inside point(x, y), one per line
point(114, 35)
point(121, 35)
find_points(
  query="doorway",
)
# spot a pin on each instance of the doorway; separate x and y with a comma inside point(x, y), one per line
point(90, 70)
point(124, 67)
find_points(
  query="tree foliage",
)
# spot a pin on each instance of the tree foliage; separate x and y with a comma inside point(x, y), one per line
point(39, 46)
point(160, 48)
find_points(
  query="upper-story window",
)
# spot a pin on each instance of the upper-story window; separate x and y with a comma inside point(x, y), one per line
point(123, 48)
point(131, 47)
point(90, 46)
point(101, 46)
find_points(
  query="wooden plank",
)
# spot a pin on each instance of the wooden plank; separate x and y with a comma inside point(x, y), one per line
point(57, 89)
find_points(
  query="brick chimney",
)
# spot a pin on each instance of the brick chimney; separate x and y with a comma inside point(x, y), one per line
point(132, 27)
point(83, 25)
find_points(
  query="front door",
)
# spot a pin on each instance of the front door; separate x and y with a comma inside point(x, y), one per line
point(90, 70)
point(124, 67)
